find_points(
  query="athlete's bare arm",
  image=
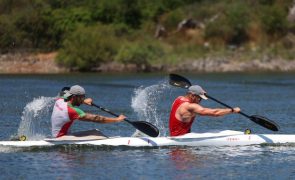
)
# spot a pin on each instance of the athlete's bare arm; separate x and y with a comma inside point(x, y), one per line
point(198, 109)
point(101, 119)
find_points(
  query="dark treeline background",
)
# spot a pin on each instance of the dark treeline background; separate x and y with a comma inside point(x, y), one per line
point(144, 32)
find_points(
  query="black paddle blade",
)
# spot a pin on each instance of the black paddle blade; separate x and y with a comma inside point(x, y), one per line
point(263, 121)
point(146, 127)
point(179, 81)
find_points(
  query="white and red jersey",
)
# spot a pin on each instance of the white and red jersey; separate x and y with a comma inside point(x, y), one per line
point(63, 115)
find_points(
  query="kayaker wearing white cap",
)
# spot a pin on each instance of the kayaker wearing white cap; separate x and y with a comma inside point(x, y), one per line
point(185, 108)
point(66, 110)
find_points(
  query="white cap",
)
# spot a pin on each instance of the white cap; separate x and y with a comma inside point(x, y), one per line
point(197, 90)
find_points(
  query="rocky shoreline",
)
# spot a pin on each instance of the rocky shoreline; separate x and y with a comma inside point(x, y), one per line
point(43, 63)
point(27, 63)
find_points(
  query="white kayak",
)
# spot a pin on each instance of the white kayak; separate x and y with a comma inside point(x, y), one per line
point(220, 138)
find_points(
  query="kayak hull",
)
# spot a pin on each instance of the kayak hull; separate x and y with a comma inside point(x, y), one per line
point(222, 138)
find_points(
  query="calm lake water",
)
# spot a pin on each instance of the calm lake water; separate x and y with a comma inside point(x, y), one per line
point(26, 104)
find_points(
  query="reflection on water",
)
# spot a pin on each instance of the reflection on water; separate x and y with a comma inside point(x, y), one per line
point(159, 163)
point(185, 158)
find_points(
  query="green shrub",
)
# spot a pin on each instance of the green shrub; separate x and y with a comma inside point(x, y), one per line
point(174, 17)
point(274, 21)
point(118, 11)
point(8, 35)
point(88, 47)
point(231, 26)
point(218, 30)
point(141, 53)
point(238, 19)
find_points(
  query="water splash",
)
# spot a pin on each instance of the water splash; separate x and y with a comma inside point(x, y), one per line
point(35, 120)
point(147, 104)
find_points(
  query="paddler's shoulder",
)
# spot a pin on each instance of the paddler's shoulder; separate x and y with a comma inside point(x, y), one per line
point(183, 98)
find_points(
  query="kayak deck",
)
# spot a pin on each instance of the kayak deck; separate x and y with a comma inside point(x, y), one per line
point(221, 138)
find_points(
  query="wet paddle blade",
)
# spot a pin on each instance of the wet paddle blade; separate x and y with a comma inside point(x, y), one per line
point(145, 127)
point(179, 81)
point(263, 121)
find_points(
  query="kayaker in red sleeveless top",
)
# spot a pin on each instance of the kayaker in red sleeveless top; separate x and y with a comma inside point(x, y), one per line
point(185, 108)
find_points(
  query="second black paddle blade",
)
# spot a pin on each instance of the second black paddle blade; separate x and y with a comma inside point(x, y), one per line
point(263, 121)
point(147, 128)
point(179, 81)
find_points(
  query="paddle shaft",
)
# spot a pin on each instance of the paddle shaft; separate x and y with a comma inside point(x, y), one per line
point(143, 126)
point(210, 97)
point(110, 112)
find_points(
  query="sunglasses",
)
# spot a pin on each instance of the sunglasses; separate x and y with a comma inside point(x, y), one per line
point(200, 99)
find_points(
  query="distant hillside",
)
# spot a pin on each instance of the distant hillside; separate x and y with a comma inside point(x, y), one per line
point(89, 33)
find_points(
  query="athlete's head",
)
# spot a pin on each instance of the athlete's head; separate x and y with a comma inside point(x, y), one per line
point(196, 93)
point(76, 95)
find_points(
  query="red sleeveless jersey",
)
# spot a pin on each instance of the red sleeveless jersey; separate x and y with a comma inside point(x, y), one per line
point(176, 126)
